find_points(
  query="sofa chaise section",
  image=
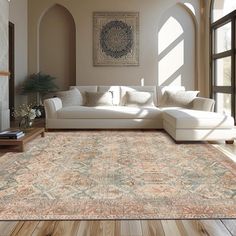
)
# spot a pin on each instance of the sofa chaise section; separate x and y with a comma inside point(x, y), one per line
point(193, 125)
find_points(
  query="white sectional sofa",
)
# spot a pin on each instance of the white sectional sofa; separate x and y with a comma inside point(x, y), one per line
point(195, 122)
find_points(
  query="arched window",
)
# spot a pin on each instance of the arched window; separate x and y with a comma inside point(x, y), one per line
point(223, 79)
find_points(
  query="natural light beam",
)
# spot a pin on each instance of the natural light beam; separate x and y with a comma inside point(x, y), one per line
point(169, 32)
point(171, 64)
point(190, 7)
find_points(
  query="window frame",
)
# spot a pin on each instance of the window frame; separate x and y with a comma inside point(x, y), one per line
point(214, 89)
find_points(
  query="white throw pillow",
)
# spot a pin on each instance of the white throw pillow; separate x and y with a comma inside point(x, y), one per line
point(161, 96)
point(98, 99)
point(139, 99)
point(178, 99)
point(71, 97)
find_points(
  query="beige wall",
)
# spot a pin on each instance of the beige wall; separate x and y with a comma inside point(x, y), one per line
point(176, 48)
point(4, 111)
point(57, 46)
point(18, 15)
point(151, 12)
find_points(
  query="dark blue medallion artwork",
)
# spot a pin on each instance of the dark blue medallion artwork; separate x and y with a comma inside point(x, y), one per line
point(116, 39)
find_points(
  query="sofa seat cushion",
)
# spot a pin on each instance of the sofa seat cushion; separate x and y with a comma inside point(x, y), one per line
point(193, 119)
point(109, 112)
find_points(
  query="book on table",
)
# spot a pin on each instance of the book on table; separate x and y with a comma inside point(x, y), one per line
point(11, 134)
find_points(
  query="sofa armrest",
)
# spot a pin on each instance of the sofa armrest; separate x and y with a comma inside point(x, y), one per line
point(203, 104)
point(52, 105)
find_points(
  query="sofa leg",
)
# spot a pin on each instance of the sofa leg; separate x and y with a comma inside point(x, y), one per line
point(229, 141)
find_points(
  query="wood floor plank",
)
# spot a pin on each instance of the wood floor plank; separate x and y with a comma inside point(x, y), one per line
point(117, 228)
point(108, 228)
point(84, 228)
point(181, 227)
point(66, 228)
point(194, 228)
point(45, 228)
point(214, 228)
point(96, 228)
point(124, 228)
point(230, 225)
point(27, 228)
point(18, 227)
point(135, 228)
point(170, 228)
point(152, 228)
point(6, 228)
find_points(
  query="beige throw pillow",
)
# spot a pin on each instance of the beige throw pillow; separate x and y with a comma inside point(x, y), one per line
point(98, 99)
point(179, 99)
point(71, 97)
point(138, 99)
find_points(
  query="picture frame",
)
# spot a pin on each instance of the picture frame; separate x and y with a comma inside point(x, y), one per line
point(116, 38)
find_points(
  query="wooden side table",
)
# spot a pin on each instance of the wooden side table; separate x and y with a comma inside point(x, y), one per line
point(20, 143)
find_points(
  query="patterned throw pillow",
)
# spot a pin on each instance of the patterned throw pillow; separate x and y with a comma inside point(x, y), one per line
point(71, 97)
point(99, 99)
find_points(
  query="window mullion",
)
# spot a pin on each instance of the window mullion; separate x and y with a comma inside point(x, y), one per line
point(233, 72)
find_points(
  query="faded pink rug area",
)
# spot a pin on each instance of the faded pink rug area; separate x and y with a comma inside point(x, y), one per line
point(116, 175)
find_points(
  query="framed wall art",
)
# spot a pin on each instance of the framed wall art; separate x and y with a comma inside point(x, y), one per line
point(116, 38)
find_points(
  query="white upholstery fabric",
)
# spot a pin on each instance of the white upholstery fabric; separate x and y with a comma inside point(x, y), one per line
point(212, 134)
point(116, 93)
point(150, 89)
point(104, 124)
point(182, 124)
point(52, 105)
point(193, 119)
point(84, 89)
point(109, 112)
point(179, 98)
point(203, 104)
point(139, 99)
point(162, 89)
point(71, 97)
point(99, 99)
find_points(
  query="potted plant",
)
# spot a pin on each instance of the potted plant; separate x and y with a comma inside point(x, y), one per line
point(39, 84)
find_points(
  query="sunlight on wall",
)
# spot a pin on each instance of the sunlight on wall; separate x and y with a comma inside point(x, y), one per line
point(190, 7)
point(173, 60)
point(170, 65)
point(170, 31)
point(176, 49)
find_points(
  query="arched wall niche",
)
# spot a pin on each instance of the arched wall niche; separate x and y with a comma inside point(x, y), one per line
point(178, 48)
point(57, 44)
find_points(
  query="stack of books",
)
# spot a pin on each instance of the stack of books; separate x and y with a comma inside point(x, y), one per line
point(12, 134)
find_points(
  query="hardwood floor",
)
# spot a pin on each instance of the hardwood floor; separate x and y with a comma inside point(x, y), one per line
point(125, 228)
point(117, 228)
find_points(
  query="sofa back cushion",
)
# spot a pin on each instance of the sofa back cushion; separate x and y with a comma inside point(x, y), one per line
point(139, 99)
point(71, 97)
point(179, 99)
point(84, 89)
point(98, 99)
point(149, 89)
point(161, 96)
point(115, 90)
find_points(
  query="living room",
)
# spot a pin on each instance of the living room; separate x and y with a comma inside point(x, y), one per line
point(117, 117)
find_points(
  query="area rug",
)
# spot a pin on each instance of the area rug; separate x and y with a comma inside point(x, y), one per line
point(116, 175)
